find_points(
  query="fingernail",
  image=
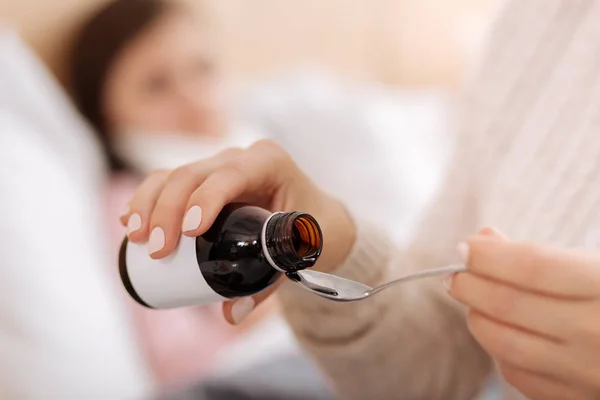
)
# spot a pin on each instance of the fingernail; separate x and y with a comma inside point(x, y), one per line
point(497, 233)
point(134, 223)
point(192, 219)
point(241, 309)
point(125, 215)
point(463, 251)
point(447, 282)
point(157, 240)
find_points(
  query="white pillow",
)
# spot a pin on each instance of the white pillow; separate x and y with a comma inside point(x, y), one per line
point(63, 329)
point(29, 91)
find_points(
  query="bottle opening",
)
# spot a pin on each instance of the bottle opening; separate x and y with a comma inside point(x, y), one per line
point(306, 237)
point(293, 241)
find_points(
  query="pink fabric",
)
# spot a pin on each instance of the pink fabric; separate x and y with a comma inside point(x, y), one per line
point(179, 344)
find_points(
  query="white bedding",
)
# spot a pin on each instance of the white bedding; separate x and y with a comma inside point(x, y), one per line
point(63, 332)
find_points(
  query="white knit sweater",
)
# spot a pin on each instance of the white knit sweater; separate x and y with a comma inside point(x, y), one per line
point(528, 163)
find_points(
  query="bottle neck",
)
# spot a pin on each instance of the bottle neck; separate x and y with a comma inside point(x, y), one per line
point(292, 241)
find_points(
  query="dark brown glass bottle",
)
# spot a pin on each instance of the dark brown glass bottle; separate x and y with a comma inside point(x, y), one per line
point(245, 251)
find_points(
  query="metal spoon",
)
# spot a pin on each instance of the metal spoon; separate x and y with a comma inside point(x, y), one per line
point(345, 290)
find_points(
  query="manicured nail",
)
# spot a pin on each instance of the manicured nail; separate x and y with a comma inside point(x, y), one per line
point(124, 218)
point(241, 309)
point(192, 219)
point(134, 223)
point(157, 240)
point(497, 233)
point(447, 282)
point(463, 251)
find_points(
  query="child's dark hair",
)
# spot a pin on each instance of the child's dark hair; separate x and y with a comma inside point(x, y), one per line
point(96, 47)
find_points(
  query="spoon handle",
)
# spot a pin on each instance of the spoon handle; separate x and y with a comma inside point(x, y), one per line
point(450, 269)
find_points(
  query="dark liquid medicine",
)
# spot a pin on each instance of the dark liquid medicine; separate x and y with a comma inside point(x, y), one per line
point(244, 252)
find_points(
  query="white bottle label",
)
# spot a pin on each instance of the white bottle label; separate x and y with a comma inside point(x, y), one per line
point(174, 281)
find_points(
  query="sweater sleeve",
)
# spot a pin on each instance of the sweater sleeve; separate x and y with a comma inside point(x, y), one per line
point(410, 342)
point(533, 81)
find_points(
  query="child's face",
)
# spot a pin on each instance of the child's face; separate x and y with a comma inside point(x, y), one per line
point(165, 80)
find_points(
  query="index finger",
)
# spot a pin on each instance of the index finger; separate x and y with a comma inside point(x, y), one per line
point(539, 268)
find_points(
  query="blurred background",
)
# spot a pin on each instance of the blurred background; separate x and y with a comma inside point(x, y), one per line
point(371, 81)
point(396, 42)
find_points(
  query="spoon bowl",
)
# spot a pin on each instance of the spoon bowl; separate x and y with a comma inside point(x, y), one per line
point(340, 289)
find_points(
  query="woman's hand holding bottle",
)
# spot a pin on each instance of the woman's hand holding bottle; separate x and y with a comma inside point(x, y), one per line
point(189, 198)
point(531, 307)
